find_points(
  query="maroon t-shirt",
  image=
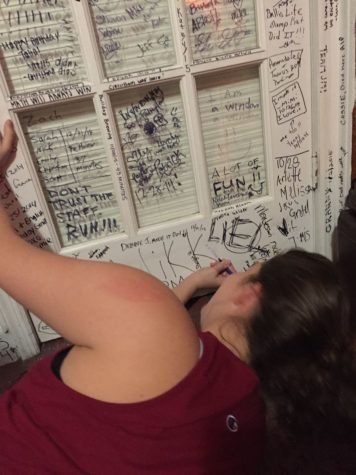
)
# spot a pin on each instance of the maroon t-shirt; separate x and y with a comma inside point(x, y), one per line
point(212, 422)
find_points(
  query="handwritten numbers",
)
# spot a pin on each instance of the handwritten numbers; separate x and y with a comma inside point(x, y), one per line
point(156, 151)
point(68, 150)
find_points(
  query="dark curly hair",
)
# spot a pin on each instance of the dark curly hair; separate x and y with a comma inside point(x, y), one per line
point(300, 344)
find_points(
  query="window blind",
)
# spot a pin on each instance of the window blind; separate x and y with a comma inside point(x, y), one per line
point(133, 36)
point(231, 114)
point(156, 151)
point(220, 28)
point(68, 152)
point(39, 45)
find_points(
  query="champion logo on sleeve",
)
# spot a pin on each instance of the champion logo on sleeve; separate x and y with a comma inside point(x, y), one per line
point(232, 423)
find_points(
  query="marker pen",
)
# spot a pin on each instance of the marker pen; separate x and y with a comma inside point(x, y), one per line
point(227, 269)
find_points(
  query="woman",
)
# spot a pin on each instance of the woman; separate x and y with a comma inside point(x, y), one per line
point(140, 391)
point(302, 346)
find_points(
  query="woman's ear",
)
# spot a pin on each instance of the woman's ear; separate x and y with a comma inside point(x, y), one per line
point(247, 299)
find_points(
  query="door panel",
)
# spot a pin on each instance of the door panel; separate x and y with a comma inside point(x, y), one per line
point(161, 134)
point(231, 118)
point(133, 37)
point(155, 148)
point(66, 146)
point(218, 29)
point(39, 46)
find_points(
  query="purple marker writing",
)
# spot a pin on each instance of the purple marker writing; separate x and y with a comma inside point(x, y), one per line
point(227, 269)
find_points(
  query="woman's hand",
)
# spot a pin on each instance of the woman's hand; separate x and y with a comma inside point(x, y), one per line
point(213, 276)
point(205, 278)
point(8, 146)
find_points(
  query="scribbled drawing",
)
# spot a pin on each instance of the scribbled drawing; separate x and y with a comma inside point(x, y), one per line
point(239, 236)
point(220, 29)
point(25, 214)
point(42, 327)
point(243, 236)
point(283, 229)
point(161, 259)
point(289, 103)
point(69, 154)
point(288, 161)
point(304, 236)
point(286, 23)
point(199, 251)
point(39, 45)
point(156, 151)
point(231, 115)
point(284, 68)
point(290, 183)
point(143, 261)
point(7, 352)
point(285, 8)
point(263, 213)
point(173, 264)
point(331, 14)
point(176, 257)
point(133, 36)
point(293, 240)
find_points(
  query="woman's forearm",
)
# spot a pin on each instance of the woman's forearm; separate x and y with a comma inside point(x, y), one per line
point(186, 289)
point(5, 224)
point(207, 278)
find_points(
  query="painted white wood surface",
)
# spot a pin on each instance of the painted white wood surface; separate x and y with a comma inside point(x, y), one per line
point(146, 124)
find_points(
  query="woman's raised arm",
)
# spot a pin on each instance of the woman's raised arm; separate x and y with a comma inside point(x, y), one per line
point(92, 304)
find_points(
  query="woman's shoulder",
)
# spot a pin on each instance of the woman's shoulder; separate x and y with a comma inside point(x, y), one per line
point(226, 374)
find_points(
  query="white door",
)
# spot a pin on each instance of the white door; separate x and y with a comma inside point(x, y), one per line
point(163, 134)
